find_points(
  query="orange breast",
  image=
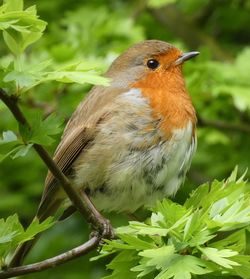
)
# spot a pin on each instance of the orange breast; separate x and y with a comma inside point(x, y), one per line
point(168, 98)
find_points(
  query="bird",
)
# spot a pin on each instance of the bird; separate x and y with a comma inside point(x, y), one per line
point(129, 144)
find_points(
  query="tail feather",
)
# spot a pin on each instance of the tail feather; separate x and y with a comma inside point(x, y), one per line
point(21, 252)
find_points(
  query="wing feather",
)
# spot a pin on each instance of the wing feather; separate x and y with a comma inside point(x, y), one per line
point(79, 132)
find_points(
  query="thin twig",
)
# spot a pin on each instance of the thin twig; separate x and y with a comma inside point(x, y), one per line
point(52, 262)
point(81, 202)
point(224, 125)
point(79, 199)
point(190, 33)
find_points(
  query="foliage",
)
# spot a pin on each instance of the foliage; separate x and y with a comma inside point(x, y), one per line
point(12, 234)
point(205, 235)
point(20, 29)
point(49, 66)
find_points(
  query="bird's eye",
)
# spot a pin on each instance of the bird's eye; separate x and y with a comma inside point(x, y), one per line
point(152, 64)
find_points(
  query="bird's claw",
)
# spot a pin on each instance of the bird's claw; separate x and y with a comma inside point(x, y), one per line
point(104, 230)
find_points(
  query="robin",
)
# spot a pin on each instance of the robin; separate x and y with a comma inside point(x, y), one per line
point(131, 143)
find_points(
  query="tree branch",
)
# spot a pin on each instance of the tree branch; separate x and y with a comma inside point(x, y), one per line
point(78, 198)
point(172, 18)
point(221, 125)
point(80, 201)
point(52, 262)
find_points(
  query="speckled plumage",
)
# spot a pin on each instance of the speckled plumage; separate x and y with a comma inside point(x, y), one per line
point(130, 163)
point(131, 143)
point(128, 144)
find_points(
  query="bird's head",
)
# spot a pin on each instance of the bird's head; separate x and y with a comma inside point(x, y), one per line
point(155, 68)
point(148, 59)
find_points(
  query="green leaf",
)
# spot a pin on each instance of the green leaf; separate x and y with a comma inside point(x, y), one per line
point(12, 233)
point(243, 270)
point(12, 44)
point(79, 77)
point(158, 257)
point(122, 265)
point(33, 229)
point(11, 146)
point(235, 241)
point(197, 196)
point(233, 175)
point(231, 216)
point(8, 137)
point(174, 214)
point(220, 256)
point(43, 130)
point(22, 79)
point(142, 228)
point(182, 267)
point(14, 5)
point(20, 27)
point(136, 242)
point(186, 240)
point(7, 237)
point(118, 244)
point(159, 3)
point(21, 151)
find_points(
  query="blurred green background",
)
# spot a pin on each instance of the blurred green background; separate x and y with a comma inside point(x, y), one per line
point(95, 32)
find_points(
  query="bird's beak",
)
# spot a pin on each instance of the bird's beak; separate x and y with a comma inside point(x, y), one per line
point(186, 56)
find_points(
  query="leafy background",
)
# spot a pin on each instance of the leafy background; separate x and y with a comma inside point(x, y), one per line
point(95, 33)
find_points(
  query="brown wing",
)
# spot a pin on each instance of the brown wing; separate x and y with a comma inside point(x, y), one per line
point(80, 131)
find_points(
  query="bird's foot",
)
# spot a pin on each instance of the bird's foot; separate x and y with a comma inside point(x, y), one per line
point(103, 229)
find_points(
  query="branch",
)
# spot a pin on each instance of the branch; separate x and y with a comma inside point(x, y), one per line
point(79, 200)
point(52, 262)
point(221, 125)
point(173, 19)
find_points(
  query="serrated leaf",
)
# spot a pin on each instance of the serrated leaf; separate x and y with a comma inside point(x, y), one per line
point(197, 196)
point(136, 242)
point(243, 270)
point(220, 256)
point(158, 257)
point(194, 232)
point(235, 241)
point(233, 176)
point(142, 228)
point(122, 264)
point(233, 216)
point(34, 228)
point(12, 233)
point(173, 213)
point(182, 267)
point(125, 230)
point(20, 27)
point(9, 230)
point(43, 130)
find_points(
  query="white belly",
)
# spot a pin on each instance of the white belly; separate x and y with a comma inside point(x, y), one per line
point(145, 177)
point(120, 176)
